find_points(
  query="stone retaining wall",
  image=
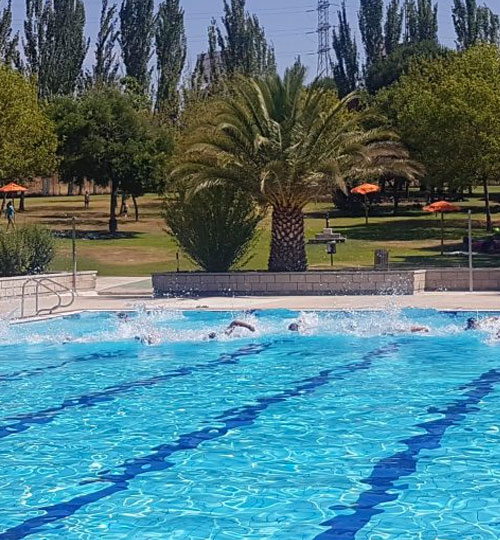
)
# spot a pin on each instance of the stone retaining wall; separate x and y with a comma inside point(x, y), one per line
point(12, 287)
point(457, 279)
point(289, 284)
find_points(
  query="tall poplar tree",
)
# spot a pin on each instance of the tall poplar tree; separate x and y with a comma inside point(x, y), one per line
point(242, 44)
point(171, 48)
point(55, 45)
point(9, 52)
point(34, 33)
point(370, 16)
point(421, 21)
point(136, 36)
point(474, 24)
point(346, 67)
point(393, 26)
point(106, 63)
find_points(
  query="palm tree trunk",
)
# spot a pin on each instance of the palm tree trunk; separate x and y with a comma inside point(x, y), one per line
point(288, 246)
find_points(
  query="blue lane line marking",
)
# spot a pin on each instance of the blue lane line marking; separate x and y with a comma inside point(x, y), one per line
point(391, 469)
point(23, 374)
point(157, 460)
point(46, 416)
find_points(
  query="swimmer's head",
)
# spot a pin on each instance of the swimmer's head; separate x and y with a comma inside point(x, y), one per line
point(123, 316)
point(212, 335)
point(294, 327)
point(471, 324)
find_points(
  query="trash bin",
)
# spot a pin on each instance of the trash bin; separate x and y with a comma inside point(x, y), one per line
point(381, 259)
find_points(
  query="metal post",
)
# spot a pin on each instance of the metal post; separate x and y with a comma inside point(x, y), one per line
point(442, 234)
point(178, 263)
point(73, 239)
point(328, 220)
point(471, 269)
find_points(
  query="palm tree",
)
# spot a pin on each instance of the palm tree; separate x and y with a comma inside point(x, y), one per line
point(286, 144)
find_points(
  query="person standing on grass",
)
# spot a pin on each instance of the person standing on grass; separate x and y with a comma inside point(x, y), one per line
point(87, 200)
point(10, 214)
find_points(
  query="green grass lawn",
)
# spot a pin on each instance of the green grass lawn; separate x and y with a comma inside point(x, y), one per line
point(412, 238)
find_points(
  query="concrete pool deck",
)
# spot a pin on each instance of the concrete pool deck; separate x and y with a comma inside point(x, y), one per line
point(131, 293)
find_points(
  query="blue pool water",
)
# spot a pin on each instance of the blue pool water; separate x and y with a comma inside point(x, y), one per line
point(353, 429)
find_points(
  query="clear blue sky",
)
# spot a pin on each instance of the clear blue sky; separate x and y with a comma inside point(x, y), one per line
point(286, 22)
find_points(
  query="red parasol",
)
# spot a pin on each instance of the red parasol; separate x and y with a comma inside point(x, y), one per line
point(441, 206)
point(365, 190)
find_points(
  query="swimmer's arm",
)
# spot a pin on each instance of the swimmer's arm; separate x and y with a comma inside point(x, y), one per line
point(240, 324)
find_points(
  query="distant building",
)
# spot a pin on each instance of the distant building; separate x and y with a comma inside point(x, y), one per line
point(49, 187)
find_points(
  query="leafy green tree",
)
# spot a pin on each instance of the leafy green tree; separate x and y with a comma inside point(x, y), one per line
point(55, 45)
point(27, 139)
point(346, 68)
point(9, 51)
point(216, 227)
point(242, 44)
point(389, 70)
point(285, 143)
point(136, 39)
point(171, 48)
point(71, 129)
point(474, 24)
point(393, 26)
point(105, 138)
point(370, 16)
point(448, 112)
point(106, 65)
point(421, 18)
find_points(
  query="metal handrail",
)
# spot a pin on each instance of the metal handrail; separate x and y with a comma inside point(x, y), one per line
point(40, 282)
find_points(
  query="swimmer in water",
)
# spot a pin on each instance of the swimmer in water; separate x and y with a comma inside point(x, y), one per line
point(409, 329)
point(148, 339)
point(474, 324)
point(294, 327)
point(232, 327)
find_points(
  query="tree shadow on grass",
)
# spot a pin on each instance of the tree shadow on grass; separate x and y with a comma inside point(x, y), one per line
point(447, 260)
point(386, 211)
point(98, 235)
point(403, 230)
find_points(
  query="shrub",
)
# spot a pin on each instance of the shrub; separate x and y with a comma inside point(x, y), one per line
point(25, 251)
point(215, 227)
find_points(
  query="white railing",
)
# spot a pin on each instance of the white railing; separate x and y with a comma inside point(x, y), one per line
point(49, 286)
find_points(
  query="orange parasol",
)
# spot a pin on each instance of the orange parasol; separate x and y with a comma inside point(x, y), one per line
point(365, 190)
point(12, 188)
point(441, 206)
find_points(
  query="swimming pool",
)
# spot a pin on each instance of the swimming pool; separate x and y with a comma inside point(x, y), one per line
point(351, 429)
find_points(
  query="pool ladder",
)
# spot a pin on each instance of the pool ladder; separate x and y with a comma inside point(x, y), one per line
point(51, 286)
